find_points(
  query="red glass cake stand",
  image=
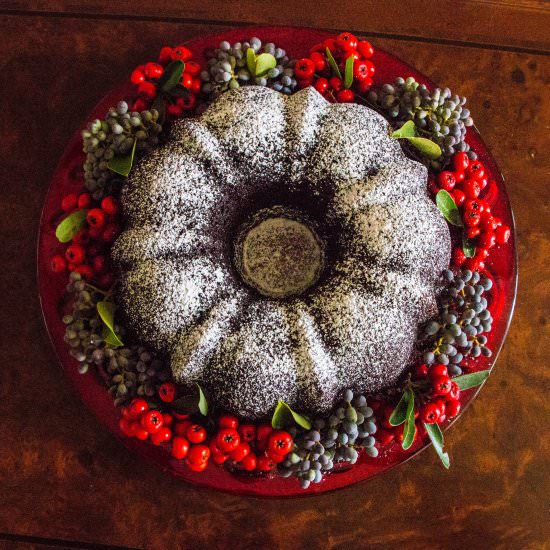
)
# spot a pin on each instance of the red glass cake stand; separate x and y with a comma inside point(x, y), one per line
point(502, 266)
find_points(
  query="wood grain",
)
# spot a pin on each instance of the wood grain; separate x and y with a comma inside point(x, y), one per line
point(508, 24)
point(64, 477)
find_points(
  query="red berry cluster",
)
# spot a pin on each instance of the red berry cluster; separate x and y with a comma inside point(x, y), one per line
point(386, 432)
point(145, 78)
point(87, 251)
point(316, 71)
point(445, 394)
point(466, 182)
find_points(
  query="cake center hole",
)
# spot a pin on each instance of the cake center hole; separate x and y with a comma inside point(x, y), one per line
point(279, 253)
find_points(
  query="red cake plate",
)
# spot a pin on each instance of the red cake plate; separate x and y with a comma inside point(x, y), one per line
point(502, 267)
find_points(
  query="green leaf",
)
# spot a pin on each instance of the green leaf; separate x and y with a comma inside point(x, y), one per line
point(264, 62)
point(171, 76)
point(467, 381)
point(408, 130)
point(70, 226)
point(333, 64)
point(399, 414)
point(348, 72)
point(106, 311)
point(426, 146)
point(187, 404)
point(468, 247)
point(448, 208)
point(178, 91)
point(251, 61)
point(409, 429)
point(284, 415)
point(123, 165)
point(160, 106)
point(436, 438)
point(203, 404)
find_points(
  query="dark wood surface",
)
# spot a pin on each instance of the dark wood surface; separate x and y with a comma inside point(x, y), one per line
point(65, 482)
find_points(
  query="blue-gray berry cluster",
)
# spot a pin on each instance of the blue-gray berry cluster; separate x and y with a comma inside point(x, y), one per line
point(463, 321)
point(438, 114)
point(337, 438)
point(228, 70)
point(104, 139)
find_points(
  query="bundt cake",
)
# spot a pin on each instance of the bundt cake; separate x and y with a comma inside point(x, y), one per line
point(280, 248)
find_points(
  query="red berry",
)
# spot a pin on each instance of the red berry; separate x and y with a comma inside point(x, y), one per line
point(167, 419)
point(198, 456)
point(473, 232)
point(139, 432)
point(280, 442)
point(167, 392)
point(147, 90)
point(458, 196)
point(110, 233)
point(137, 407)
point(174, 110)
point(345, 96)
point(304, 83)
point(193, 68)
point(488, 222)
point(161, 436)
point(276, 457)
point(481, 253)
point(471, 218)
point(421, 371)
point(321, 85)
point(471, 188)
point(487, 239)
point(82, 237)
point(473, 205)
point(96, 217)
point(429, 413)
point(126, 427)
point(335, 84)
point(180, 428)
point(483, 182)
point(76, 254)
point(453, 408)
point(363, 86)
point(460, 161)
point(196, 86)
point(106, 280)
point(304, 68)
point(249, 462)
point(186, 80)
point(329, 43)
point(197, 467)
point(137, 77)
point(365, 49)
point(502, 234)
point(228, 421)
point(180, 447)
point(99, 264)
point(446, 180)
point(86, 272)
point(475, 170)
point(247, 432)
point(165, 55)
point(240, 452)
point(441, 385)
point(58, 264)
point(265, 464)
point(217, 456)
point(346, 42)
point(473, 264)
point(69, 202)
point(153, 70)
point(361, 71)
point(196, 433)
point(187, 103)
point(109, 205)
point(183, 53)
point(151, 421)
point(458, 256)
point(263, 432)
point(454, 394)
point(125, 412)
point(441, 407)
point(438, 370)
point(318, 60)
point(139, 105)
point(228, 439)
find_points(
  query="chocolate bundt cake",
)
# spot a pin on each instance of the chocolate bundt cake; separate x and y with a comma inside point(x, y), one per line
point(280, 248)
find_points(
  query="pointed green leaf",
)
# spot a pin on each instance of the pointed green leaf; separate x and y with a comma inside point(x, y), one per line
point(179, 91)
point(160, 105)
point(467, 381)
point(348, 72)
point(251, 61)
point(333, 65)
point(123, 165)
point(448, 208)
point(469, 248)
point(399, 414)
point(409, 430)
point(436, 437)
point(284, 415)
point(203, 404)
point(265, 62)
point(106, 311)
point(406, 131)
point(171, 76)
point(426, 146)
point(70, 226)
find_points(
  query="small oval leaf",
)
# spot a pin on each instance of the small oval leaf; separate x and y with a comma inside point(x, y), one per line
point(123, 165)
point(426, 146)
point(399, 414)
point(406, 131)
point(284, 416)
point(202, 403)
point(251, 61)
point(265, 62)
point(70, 226)
point(171, 76)
point(409, 430)
point(469, 248)
point(436, 437)
point(448, 207)
point(106, 311)
point(467, 381)
point(333, 65)
point(348, 72)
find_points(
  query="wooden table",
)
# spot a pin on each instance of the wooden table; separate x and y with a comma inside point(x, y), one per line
point(66, 482)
